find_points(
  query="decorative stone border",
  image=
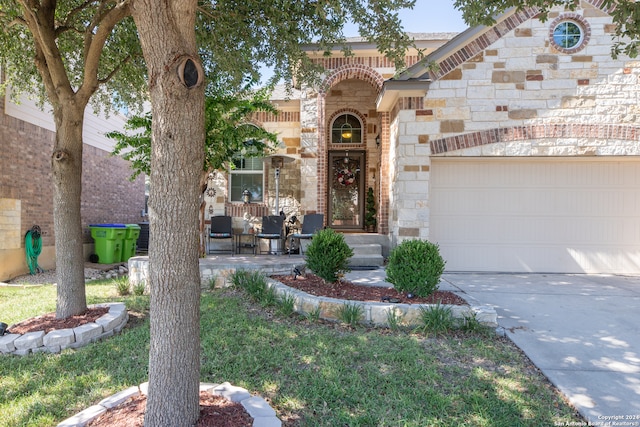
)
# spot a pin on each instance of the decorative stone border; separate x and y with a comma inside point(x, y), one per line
point(258, 408)
point(220, 271)
point(57, 340)
point(377, 313)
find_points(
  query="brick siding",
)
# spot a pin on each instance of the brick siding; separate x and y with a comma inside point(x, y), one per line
point(25, 175)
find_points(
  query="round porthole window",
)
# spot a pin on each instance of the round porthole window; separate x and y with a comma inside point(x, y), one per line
point(569, 34)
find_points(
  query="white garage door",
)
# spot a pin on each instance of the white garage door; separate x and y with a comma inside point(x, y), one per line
point(537, 215)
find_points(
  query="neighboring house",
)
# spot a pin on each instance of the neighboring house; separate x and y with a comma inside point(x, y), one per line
point(517, 152)
point(27, 136)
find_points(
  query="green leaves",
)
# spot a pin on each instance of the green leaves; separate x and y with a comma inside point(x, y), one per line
point(415, 266)
point(228, 132)
point(235, 36)
point(328, 255)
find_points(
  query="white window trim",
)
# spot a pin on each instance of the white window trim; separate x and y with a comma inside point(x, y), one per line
point(578, 20)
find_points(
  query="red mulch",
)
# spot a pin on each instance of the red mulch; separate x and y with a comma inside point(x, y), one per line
point(215, 411)
point(343, 289)
point(48, 322)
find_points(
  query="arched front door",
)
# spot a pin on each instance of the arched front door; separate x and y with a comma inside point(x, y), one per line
point(346, 189)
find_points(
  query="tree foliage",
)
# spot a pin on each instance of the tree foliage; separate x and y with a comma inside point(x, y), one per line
point(625, 14)
point(228, 131)
point(99, 37)
point(73, 51)
point(96, 43)
point(234, 36)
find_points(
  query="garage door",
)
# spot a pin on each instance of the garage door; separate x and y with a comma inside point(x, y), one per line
point(537, 215)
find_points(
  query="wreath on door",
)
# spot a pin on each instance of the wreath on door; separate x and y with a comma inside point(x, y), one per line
point(346, 177)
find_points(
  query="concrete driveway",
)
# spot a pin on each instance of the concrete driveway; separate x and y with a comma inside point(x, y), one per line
point(582, 331)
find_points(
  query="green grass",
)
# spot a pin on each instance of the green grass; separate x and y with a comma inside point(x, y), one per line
point(313, 373)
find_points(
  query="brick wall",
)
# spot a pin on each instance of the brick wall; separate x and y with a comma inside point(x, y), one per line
point(26, 177)
point(25, 172)
point(108, 196)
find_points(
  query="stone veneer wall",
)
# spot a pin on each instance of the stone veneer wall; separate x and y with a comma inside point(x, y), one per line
point(26, 192)
point(312, 129)
point(510, 93)
point(353, 88)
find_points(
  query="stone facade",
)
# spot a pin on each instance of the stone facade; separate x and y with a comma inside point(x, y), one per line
point(350, 85)
point(508, 91)
point(504, 91)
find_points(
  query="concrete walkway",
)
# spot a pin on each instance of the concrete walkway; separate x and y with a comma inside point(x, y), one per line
point(582, 331)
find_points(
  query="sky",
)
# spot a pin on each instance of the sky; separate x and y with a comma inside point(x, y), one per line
point(427, 16)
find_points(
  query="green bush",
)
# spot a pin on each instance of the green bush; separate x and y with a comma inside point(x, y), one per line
point(415, 266)
point(328, 255)
point(370, 209)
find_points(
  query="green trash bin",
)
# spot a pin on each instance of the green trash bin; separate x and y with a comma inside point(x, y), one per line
point(108, 240)
point(129, 243)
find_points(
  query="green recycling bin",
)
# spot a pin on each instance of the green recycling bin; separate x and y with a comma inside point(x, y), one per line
point(130, 239)
point(108, 240)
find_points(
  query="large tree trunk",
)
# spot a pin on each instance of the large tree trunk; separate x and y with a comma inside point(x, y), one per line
point(177, 156)
point(66, 163)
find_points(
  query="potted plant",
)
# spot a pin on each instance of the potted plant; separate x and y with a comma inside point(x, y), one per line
point(370, 221)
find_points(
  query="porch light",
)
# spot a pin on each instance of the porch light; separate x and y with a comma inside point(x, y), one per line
point(346, 131)
point(246, 196)
point(378, 141)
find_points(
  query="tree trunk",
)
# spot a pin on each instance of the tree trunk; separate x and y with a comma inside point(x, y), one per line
point(66, 163)
point(167, 35)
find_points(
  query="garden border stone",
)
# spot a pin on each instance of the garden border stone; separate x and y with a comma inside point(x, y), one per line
point(57, 340)
point(262, 413)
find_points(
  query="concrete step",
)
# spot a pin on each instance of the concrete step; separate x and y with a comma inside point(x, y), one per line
point(366, 255)
point(366, 260)
point(359, 238)
point(354, 239)
point(366, 249)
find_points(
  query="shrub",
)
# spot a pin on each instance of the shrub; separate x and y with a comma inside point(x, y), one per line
point(328, 255)
point(415, 266)
point(370, 210)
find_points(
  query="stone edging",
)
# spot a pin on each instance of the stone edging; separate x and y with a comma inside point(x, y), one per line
point(57, 340)
point(258, 408)
point(376, 313)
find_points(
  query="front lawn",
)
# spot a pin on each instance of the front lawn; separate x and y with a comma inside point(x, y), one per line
point(312, 373)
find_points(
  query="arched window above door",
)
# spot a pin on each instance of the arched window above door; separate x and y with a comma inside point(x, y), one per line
point(346, 129)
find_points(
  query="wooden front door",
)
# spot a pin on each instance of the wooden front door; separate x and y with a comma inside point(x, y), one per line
point(346, 190)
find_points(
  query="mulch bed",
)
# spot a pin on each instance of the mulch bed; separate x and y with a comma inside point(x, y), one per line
point(48, 322)
point(215, 411)
point(346, 290)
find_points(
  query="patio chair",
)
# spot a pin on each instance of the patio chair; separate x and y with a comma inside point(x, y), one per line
point(221, 229)
point(272, 229)
point(311, 223)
